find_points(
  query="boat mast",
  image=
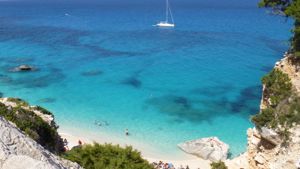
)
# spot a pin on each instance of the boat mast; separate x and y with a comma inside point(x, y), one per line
point(167, 11)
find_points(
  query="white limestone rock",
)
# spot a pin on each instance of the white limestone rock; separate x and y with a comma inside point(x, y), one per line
point(270, 135)
point(259, 158)
point(207, 148)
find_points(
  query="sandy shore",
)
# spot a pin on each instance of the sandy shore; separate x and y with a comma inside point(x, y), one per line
point(191, 161)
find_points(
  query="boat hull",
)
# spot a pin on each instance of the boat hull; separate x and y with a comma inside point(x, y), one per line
point(163, 24)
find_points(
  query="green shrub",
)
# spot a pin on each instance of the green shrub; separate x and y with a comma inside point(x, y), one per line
point(278, 86)
point(34, 126)
point(107, 157)
point(218, 165)
point(264, 118)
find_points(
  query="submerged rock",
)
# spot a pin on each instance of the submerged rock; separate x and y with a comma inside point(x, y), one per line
point(207, 148)
point(92, 73)
point(47, 100)
point(132, 81)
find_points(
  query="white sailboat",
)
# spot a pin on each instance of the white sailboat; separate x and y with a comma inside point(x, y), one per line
point(166, 22)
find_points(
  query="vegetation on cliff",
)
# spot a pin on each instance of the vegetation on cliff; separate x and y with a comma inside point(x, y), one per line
point(277, 87)
point(107, 157)
point(282, 104)
point(33, 125)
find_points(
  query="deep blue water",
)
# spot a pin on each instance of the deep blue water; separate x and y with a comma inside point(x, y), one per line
point(105, 61)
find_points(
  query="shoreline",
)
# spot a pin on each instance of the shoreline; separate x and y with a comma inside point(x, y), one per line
point(102, 137)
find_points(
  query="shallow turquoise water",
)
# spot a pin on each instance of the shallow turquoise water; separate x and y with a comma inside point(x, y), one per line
point(105, 62)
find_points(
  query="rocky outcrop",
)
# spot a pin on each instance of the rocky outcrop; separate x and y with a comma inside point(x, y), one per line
point(17, 151)
point(207, 148)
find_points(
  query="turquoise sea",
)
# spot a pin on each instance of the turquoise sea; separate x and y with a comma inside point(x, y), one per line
point(103, 61)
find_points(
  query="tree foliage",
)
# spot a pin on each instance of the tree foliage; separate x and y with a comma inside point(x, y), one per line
point(107, 157)
point(264, 118)
point(277, 86)
point(218, 165)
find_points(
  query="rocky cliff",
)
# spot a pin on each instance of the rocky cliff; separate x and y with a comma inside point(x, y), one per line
point(266, 148)
point(18, 150)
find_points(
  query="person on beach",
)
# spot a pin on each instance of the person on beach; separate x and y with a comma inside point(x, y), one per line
point(79, 143)
point(65, 142)
point(126, 132)
point(298, 164)
point(166, 166)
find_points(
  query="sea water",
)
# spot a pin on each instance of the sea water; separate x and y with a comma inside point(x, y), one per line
point(103, 63)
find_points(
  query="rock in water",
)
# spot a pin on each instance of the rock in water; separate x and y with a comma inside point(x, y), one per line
point(22, 68)
point(25, 67)
point(207, 148)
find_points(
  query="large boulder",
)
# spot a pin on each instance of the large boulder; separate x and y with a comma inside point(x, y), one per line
point(270, 135)
point(207, 148)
